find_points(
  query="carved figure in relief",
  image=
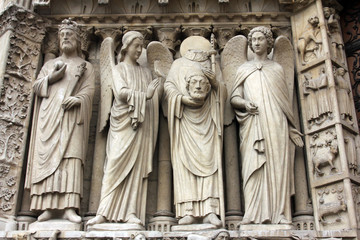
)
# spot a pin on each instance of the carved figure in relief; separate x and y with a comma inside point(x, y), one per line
point(261, 95)
point(132, 134)
point(310, 89)
point(332, 207)
point(64, 91)
point(334, 32)
point(325, 150)
point(351, 154)
point(310, 43)
point(195, 95)
point(324, 100)
point(343, 91)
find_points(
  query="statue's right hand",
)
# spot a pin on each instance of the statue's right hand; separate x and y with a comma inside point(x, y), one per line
point(57, 74)
point(251, 108)
point(188, 101)
point(151, 88)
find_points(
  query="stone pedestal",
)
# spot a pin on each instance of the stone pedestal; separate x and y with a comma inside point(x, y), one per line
point(55, 224)
point(193, 227)
point(116, 227)
point(161, 223)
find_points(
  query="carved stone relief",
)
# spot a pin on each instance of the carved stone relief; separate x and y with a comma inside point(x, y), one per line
point(317, 97)
point(309, 42)
point(344, 95)
point(334, 33)
point(332, 206)
point(352, 155)
point(27, 32)
point(307, 37)
point(324, 153)
point(355, 190)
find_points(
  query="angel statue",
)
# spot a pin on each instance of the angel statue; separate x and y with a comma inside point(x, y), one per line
point(261, 95)
point(195, 96)
point(132, 133)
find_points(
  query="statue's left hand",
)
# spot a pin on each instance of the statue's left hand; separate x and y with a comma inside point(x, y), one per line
point(296, 137)
point(70, 102)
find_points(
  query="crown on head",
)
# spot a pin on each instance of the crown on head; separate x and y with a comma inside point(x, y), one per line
point(69, 24)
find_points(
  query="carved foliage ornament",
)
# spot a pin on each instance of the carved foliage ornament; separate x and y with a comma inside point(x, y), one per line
point(23, 22)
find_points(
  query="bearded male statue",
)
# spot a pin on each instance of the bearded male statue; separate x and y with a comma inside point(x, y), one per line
point(63, 92)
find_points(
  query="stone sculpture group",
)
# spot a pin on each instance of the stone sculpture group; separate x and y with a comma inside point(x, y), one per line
point(194, 93)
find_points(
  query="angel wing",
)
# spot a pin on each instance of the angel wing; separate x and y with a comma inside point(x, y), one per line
point(232, 57)
point(159, 59)
point(107, 66)
point(284, 55)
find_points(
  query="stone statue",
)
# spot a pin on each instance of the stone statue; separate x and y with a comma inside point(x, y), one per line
point(343, 91)
point(64, 91)
point(195, 97)
point(262, 98)
point(132, 134)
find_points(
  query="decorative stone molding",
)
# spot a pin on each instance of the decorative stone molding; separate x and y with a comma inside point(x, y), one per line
point(224, 34)
point(27, 31)
point(169, 37)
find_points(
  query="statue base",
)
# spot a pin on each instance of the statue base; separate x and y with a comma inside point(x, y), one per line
point(115, 227)
point(193, 227)
point(266, 227)
point(161, 223)
point(55, 224)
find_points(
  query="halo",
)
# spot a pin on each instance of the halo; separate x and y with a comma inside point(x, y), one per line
point(195, 42)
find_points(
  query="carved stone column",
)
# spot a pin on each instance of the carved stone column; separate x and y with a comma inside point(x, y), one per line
point(328, 116)
point(164, 217)
point(21, 35)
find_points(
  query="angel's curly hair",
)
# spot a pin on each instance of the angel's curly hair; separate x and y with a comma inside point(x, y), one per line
point(268, 35)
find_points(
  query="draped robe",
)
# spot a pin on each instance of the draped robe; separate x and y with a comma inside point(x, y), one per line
point(266, 162)
point(59, 137)
point(196, 142)
point(130, 145)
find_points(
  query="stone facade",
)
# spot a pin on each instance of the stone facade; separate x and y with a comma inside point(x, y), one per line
point(326, 177)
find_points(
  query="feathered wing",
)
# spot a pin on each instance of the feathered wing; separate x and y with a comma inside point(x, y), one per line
point(232, 57)
point(159, 60)
point(107, 71)
point(284, 55)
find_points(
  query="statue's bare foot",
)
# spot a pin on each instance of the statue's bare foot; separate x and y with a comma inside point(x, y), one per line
point(283, 220)
point(96, 220)
point(187, 220)
point(212, 219)
point(134, 219)
point(46, 215)
point(71, 215)
point(245, 221)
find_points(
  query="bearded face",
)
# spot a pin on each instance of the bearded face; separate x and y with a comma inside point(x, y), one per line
point(198, 87)
point(68, 41)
